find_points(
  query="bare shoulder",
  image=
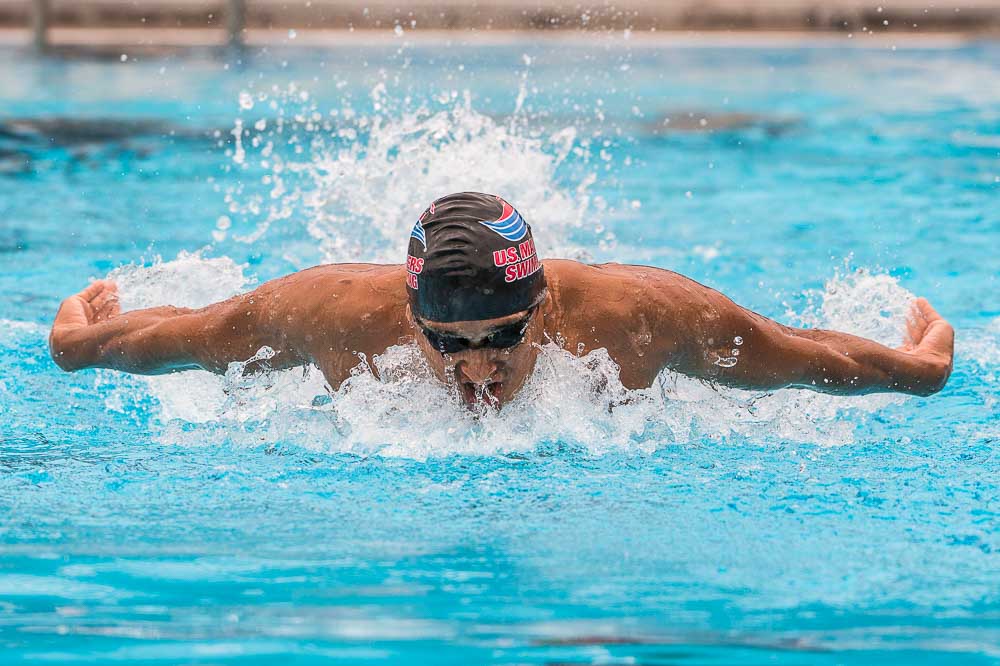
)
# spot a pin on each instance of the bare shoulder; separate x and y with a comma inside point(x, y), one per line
point(334, 312)
point(336, 289)
point(342, 277)
point(617, 288)
point(640, 314)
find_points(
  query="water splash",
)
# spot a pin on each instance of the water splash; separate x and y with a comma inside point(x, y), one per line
point(861, 302)
point(355, 183)
point(570, 400)
point(345, 186)
point(189, 281)
point(192, 281)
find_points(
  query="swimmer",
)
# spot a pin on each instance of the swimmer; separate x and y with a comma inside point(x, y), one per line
point(476, 299)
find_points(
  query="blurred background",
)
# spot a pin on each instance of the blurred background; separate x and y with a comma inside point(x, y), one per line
point(58, 22)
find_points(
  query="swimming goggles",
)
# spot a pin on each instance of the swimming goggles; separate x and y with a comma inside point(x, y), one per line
point(502, 337)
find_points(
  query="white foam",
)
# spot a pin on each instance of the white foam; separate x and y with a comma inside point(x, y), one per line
point(863, 303)
point(189, 281)
point(11, 329)
point(364, 180)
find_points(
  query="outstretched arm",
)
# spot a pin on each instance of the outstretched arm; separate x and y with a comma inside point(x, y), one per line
point(90, 331)
point(707, 335)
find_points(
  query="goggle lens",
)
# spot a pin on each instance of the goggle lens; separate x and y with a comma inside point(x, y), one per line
point(503, 337)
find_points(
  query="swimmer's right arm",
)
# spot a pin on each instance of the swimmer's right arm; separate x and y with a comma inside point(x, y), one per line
point(90, 331)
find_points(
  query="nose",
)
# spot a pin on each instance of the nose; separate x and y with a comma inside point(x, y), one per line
point(477, 368)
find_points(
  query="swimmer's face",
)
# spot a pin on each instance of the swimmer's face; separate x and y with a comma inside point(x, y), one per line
point(468, 355)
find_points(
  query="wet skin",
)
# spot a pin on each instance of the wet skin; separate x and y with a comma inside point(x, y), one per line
point(647, 318)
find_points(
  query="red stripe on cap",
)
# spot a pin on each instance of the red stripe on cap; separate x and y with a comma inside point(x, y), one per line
point(507, 210)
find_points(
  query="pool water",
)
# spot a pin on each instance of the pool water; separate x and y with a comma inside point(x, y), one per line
point(199, 519)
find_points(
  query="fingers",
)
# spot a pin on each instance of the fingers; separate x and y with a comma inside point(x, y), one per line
point(105, 305)
point(926, 310)
point(98, 301)
point(941, 335)
point(97, 287)
point(927, 332)
point(916, 324)
point(92, 290)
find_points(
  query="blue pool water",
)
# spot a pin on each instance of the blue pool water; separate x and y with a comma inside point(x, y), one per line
point(191, 519)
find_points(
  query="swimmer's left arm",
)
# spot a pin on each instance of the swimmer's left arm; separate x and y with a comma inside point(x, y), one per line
point(709, 336)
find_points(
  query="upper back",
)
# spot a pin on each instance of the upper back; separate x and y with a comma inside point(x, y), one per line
point(336, 311)
point(624, 309)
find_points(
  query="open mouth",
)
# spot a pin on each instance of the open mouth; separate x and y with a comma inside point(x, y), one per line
point(477, 394)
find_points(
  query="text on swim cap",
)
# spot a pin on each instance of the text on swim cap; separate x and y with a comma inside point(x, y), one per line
point(414, 266)
point(518, 261)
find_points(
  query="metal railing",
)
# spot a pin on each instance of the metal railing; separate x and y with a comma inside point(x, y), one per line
point(41, 19)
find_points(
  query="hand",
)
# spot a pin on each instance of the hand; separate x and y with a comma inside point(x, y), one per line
point(932, 339)
point(94, 304)
point(97, 303)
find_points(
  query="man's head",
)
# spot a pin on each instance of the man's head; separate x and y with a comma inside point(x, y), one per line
point(476, 287)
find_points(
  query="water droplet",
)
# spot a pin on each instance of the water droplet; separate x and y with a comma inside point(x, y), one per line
point(738, 340)
point(398, 30)
point(292, 34)
point(246, 101)
point(726, 361)
point(124, 58)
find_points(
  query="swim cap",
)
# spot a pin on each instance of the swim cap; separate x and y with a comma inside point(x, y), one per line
point(471, 257)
